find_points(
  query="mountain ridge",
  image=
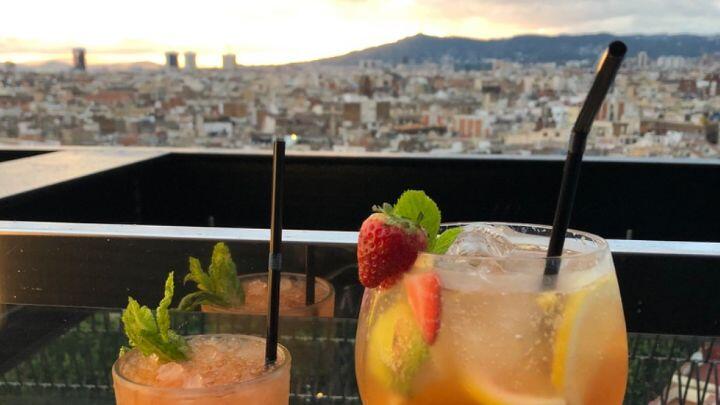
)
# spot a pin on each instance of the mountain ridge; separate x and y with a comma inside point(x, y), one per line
point(527, 48)
point(521, 48)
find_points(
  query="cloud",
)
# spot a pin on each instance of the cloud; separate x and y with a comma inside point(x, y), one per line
point(573, 16)
point(280, 31)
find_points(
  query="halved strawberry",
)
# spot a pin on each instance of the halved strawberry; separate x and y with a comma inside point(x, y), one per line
point(423, 292)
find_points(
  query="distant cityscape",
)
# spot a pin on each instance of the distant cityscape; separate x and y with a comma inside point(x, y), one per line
point(664, 106)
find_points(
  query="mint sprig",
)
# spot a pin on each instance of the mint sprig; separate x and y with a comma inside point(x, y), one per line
point(415, 205)
point(151, 334)
point(444, 240)
point(218, 286)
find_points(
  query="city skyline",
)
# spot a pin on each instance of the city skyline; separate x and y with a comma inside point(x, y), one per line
point(283, 31)
point(662, 105)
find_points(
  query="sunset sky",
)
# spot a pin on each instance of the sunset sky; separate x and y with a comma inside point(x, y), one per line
point(281, 31)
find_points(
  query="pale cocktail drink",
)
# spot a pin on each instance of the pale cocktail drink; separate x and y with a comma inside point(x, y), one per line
point(292, 297)
point(498, 333)
point(222, 370)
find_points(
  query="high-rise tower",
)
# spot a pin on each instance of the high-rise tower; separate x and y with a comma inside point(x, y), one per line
point(171, 60)
point(229, 61)
point(190, 61)
point(79, 59)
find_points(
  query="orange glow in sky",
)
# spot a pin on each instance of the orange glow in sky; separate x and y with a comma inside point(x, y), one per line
point(264, 32)
point(279, 31)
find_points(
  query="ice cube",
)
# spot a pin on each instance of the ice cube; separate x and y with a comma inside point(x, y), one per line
point(193, 380)
point(285, 284)
point(256, 286)
point(140, 368)
point(171, 375)
point(483, 240)
point(472, 274)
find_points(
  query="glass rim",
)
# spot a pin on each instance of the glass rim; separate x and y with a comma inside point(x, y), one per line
point(214, 390)
point(318, 280)
point(600, 244)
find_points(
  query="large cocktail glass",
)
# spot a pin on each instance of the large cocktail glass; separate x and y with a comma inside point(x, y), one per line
point(505, 335)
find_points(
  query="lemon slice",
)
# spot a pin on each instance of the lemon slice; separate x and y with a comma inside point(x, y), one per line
point(487, 393)
point(396, 350)
point(590, 349)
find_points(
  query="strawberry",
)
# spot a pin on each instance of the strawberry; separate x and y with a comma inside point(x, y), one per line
point(423, 293)
point(387, 247)
point(390, 239)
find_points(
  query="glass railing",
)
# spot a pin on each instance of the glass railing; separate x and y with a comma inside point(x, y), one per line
point(63, 284)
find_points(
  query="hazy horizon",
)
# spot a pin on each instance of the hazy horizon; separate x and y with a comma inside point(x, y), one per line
point(66, 59)
point(287, 31)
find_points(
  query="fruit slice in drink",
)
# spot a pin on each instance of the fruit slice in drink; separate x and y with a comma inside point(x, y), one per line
point(467, 328)
point(590, 362)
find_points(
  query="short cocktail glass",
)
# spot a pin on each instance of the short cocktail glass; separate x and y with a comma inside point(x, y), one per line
point(505, 336)
point(292, 297)
point(223, 370)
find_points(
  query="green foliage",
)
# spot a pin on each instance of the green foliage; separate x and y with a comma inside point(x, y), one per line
point(415, 205)
point(151, 334)
point(444, 240)
point(218, 286)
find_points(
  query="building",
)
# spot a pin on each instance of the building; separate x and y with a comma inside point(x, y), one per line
point(612, 109)
point(643, 60)
point(171, 60)
point(468, 125)
point(671, 62)
point(363, 111)
point(229, 62)
point(383, 111)
point(221, 128)
point(365, 86)
point(190, 61)
point(662, 127)
point(351, 112)
point(79, 59)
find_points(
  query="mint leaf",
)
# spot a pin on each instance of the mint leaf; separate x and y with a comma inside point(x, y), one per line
point(135, 319)
point(197, 298)
point(219, 285)
point(224, 274)
point(197, 275)
point(444, 240)
point(162, 313)
point(151, 335)
point(415, 205)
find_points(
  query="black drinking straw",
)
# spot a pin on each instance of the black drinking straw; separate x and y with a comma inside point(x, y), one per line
point(275, 257)
point(608, 68)
point(309, 276)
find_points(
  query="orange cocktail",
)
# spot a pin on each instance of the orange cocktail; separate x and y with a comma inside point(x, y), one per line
point(504, 336)
point(222, 370)
point(292, 297)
